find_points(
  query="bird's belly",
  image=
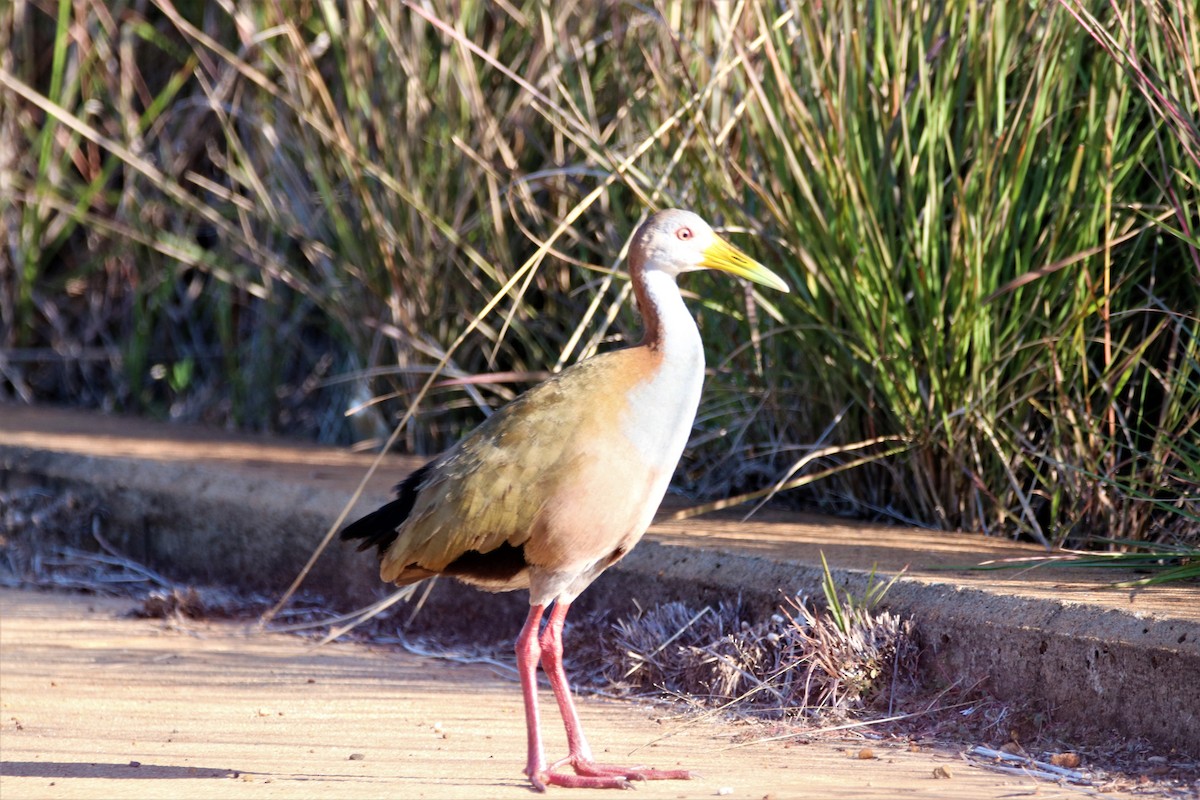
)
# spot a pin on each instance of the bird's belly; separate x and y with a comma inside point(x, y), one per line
point(597, 510)
point(607, 497)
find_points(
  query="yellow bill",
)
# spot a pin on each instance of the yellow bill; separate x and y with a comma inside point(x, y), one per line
point(727, 258)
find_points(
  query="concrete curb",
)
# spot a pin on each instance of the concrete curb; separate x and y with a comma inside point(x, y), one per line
point(207, 507)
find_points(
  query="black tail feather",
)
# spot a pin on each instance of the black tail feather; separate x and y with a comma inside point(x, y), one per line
point(380, 527)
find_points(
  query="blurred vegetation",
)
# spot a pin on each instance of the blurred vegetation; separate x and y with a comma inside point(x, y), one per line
point(262, 215)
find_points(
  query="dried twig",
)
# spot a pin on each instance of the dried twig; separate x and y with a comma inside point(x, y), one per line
point(1027, 766)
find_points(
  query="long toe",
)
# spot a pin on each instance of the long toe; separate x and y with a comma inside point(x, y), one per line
point(578, 781)
point(593, 769)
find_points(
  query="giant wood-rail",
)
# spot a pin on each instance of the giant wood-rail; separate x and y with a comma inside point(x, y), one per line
point(558, 485)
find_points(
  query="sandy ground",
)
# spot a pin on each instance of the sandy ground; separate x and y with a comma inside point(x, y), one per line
point(95, 704)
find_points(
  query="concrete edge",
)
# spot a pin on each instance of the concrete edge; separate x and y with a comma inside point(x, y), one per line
point(1101, 673)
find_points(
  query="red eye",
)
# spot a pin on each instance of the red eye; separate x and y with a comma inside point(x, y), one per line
point(684, 233)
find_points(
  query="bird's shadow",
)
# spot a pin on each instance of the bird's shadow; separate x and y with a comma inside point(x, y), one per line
point(54, 770)
point(127, 771)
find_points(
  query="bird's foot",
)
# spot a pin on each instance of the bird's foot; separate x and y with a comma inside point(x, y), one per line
point(591, 775)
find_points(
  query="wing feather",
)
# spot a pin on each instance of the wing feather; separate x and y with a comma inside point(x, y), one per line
point(493, 487)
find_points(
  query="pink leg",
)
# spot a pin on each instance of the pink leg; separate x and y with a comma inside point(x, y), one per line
point(587, 771)
point(528, 654)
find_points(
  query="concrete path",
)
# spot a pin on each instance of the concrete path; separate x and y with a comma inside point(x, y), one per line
point(96, 704)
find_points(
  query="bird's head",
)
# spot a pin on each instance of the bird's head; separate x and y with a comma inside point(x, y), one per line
point(676, 241)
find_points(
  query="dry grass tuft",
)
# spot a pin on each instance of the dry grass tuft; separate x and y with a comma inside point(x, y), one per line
point(797, 662)
point(854, 662)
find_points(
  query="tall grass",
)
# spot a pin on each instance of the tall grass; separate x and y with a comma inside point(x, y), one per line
point(263, 214)
point(991, 188)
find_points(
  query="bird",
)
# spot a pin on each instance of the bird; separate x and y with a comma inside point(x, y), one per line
point(558, 485)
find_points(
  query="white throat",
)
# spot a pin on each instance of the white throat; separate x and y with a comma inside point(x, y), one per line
point(679, 336)
point(663, 408)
